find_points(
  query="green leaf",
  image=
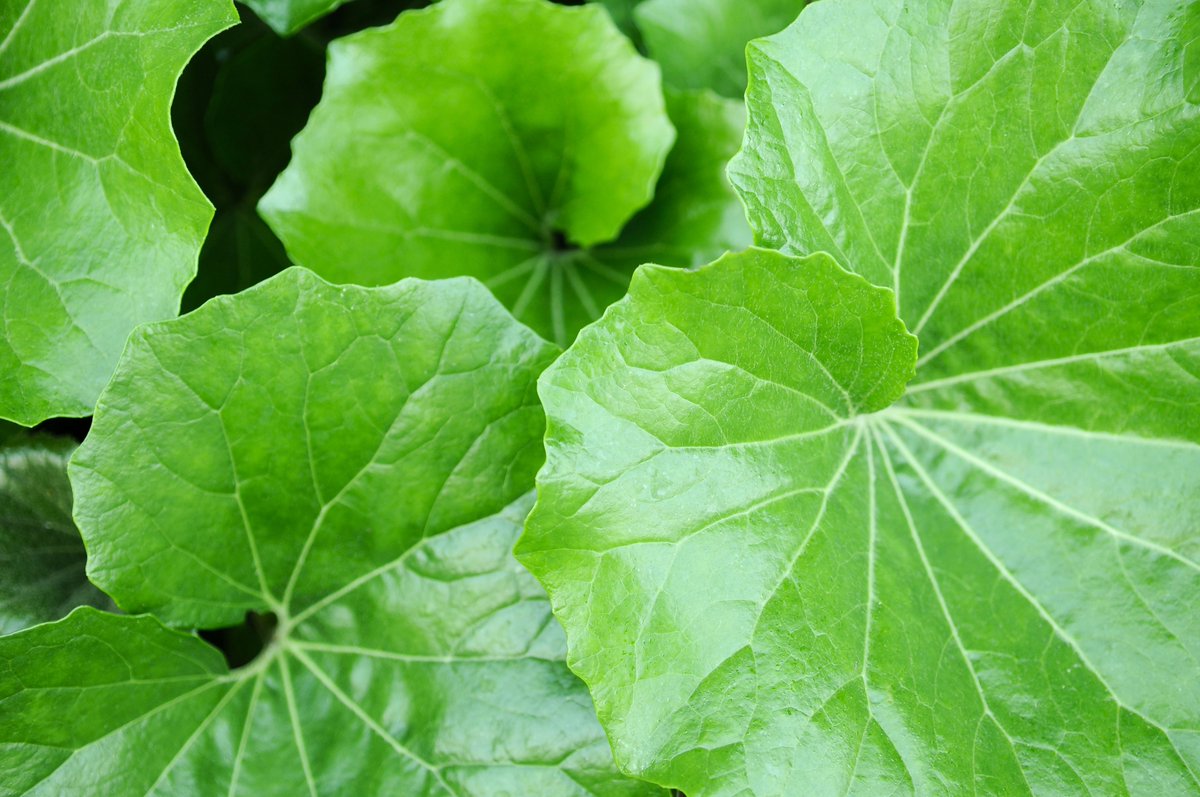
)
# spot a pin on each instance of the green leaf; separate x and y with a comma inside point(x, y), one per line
point(288, 16)
point(702, 43)
point(622, 14)
point(101, 223)
point(41, 554)
point(987, 586)
point(695, 216)
point(356, 461)
point(440, 148)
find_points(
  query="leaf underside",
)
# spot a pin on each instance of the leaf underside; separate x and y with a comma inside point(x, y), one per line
point(989, 585)
point(356, 461)
point(100, 223)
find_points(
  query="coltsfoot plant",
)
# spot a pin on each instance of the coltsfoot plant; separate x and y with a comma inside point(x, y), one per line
point(557, 446)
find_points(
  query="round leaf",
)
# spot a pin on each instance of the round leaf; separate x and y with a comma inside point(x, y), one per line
point(356, 461)
point(440, 148)
point(989, 585)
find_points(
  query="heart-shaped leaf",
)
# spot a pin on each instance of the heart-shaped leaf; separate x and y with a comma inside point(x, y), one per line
point(440, 148)
point(356, 462)
point(989, 585)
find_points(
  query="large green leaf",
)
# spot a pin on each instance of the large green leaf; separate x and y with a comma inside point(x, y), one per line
point(41, 554)
point(440, 148)
point(702, 43)
point(988, 586)
point(101, 223)
point(356, 461)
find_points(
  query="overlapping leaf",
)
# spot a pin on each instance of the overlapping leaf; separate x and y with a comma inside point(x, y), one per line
point(440, 147)
point(989, 585)
point(41, 555)
point(100, 224)
point(289, 16)
point(240, 102)
point(356, 461)
point(702, 43)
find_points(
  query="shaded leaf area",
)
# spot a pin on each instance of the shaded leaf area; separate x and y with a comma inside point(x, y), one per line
point(41, 554)
point(361, 477)
point(287, 17)
point(100, 224)
point(239, 103)
point(622, 14)
point(987, 585)
point(438, 150)
point(701, 44)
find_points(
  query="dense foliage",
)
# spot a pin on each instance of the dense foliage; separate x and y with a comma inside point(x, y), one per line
point(491, 458)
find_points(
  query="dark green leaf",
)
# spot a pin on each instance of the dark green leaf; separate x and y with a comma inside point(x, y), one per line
point(41, 555)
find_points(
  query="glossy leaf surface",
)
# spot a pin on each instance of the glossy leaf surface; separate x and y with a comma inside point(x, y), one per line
point(989, 585)
point(41, 554)
point(440, 148)
point(100, 223)
point(702, 43)
point(356, 461)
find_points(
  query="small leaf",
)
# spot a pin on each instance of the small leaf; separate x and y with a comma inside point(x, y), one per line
point(41, 554)
point(702, 43)
point(100, 224)
point(288, 16)
point(440, 148)
point(356, 461)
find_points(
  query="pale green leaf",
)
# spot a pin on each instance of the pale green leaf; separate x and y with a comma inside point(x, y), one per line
point(100, 223)
point(440, 147)
point(358, 462)
point(989, 586)
point(41, 554)
point(702, 43)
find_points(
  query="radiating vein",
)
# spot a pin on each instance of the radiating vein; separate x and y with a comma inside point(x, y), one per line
point(1048, 284)
point(297, 734)
point(1045, 498)
point(247, 726)
point(368, 720)
point(988, 373)
point(200, 728)
point(1011, 579)
point(931, 576)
